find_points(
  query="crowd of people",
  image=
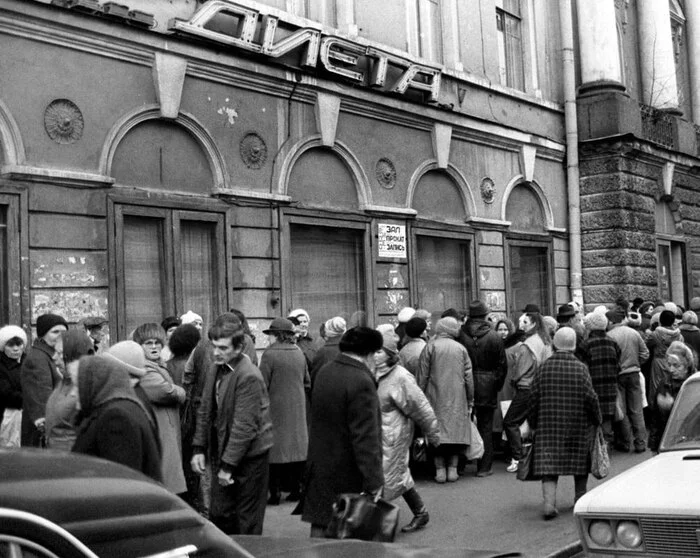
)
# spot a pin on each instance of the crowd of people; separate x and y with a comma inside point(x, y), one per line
point(314, 418)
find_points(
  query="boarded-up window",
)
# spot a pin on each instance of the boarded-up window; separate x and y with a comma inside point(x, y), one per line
point(171, 262)
point(328, 271)
point(442, 274)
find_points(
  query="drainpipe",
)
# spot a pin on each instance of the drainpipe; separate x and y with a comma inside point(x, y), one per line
point(572, 166)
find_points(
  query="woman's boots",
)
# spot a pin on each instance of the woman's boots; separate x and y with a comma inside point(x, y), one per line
point(440, 473)
point(420, 514)
point(549, 495)
point(452, 474)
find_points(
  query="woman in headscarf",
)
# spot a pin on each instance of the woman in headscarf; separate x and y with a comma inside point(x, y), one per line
point(300, 318)
point(13, 340)
point(62, 405)
point(165, 397)
point(115, 425)
point(401, 402)
point(445, 375)
point(286, 376)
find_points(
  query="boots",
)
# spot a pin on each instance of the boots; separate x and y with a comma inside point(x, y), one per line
point(549, 495)
point(440, 473)
point(420, 514)
point(452, 474)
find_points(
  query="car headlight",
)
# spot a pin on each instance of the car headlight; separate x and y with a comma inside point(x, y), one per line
point(629, 534)
point(601, 532)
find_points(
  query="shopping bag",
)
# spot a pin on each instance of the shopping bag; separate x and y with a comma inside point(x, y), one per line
point(360, 516)
point(600, 460)
point(526, 465)
point(11, 429)
point(476, 448)
point(419, 450)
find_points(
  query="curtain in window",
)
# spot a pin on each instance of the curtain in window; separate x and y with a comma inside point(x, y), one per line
point(144, 267)
point(442, 274)
point(529, 277)
point(199, 269)
point(328, 278)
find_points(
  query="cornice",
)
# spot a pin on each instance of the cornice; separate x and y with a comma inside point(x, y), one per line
point(75, 179)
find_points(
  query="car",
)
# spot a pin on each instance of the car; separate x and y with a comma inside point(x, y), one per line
point(653, 509)
point(72, 505)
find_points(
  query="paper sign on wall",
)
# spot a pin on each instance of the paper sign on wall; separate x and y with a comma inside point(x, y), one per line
point(392, 241)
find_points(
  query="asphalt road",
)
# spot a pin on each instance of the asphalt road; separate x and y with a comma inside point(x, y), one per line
point(492, 513)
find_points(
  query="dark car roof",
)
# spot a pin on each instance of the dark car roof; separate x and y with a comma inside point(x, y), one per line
point(114, 510)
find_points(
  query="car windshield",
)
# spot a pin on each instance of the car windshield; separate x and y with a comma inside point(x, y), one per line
point(683, 428)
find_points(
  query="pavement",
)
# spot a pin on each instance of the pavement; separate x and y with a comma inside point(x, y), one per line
point(493, 513)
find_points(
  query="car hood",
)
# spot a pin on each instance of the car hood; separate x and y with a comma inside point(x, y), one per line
point(668, 483)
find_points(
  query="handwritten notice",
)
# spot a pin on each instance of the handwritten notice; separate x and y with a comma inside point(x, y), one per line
point(392, 241)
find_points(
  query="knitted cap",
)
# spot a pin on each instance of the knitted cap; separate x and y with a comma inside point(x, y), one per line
point(565, 339)
point(299, 312)
point(46, 322)
point(279, 324)
point(405, 314)
point(335, 326)
point(415, 327)
point(450, 326)
point(689, 317)
point(695, 303)
point(190, 317)
point(391, 340)
point(130, 355)
point(596, 321)
point(672, 307)
point(477, 309)
point(667, 318)
point(550, 322)
point(10, 332)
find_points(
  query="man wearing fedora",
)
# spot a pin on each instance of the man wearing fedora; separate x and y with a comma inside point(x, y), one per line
point(567, 317)
point(489, 366)
point(345, 442)
point(94, 328)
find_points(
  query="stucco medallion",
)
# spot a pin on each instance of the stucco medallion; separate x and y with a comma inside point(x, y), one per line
point(253, 150)
point(488, 190)
point(386, 173)
point(63, 121)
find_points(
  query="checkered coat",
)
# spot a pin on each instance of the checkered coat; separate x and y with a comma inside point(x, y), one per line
point(603, 360)
point(563, 406)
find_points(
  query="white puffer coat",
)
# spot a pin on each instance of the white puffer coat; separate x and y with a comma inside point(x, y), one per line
point(402, 402)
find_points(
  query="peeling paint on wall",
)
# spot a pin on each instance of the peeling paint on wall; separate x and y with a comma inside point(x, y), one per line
point(231, 114)
point(73, 305)
point(50, 268)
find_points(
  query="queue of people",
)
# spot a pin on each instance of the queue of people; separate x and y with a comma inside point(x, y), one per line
point(191, 407)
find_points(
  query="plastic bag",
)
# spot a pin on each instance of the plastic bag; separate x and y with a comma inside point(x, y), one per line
point(476, 448)
point(11, 429)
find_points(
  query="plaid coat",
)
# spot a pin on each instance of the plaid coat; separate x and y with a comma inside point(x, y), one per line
point(603, 360)
point(562, 407)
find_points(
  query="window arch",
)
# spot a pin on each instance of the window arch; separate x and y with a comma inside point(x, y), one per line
point(521, 195)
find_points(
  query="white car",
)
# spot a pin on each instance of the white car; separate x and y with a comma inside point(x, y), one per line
point(653, 509)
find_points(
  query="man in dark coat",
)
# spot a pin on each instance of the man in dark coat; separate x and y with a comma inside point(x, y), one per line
point(489, 366)
point(567, 317)
point(345, 445)
point(335, 328)
point(116, 425)
point(235, 431)
point(603, 360)
point(561, 409)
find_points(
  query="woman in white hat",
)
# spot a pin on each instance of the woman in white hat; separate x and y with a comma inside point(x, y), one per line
point(13, 340)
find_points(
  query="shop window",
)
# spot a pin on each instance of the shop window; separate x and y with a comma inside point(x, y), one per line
point(443, 277)
point(170, 262)
point(528, 275)
point(327, 274)
point(510, 44)
point(670, 256)
point(9, 260)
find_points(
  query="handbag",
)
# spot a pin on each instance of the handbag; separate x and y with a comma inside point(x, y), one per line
point(600, 460)
point(419, 450)
point(476, 448)
point(526, 464)
point(360, 516)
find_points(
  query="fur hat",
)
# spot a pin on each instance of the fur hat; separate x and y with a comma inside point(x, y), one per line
point(565, 339)
point(190, 317)
point(477, 309)
point(335, 326)
point(405, 314)
point(634, 319)
point(279, 324)
point(450, 326)
point(76, 344)
point(602, 309)
point(667, 318)
point(689, 317)
point(672, 307)
point(10, 332)
point(695, 303)
point(415, 327)
point(361, 341)
point(46, 322)
point(130, 355)
point(391, 340)
point(299, 312)
point(596, 321)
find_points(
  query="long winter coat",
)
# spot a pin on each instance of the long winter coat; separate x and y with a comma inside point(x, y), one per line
point(286, 376)
point(10, 383)
point(563, 406)
point(691, 336)
point(409, 355)
point(402, 403)
point(166, 398)
point(489, 363)
point(324, 355)
point(658, 342)
point(603, 360)
point(39, 377)
point(445, 375)
point(345, 445)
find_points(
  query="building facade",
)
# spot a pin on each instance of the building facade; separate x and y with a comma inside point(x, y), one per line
point(344, 156)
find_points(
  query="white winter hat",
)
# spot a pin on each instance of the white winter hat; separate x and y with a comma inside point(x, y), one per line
point(190, 317)
point(10, 332)
point(406, 314)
